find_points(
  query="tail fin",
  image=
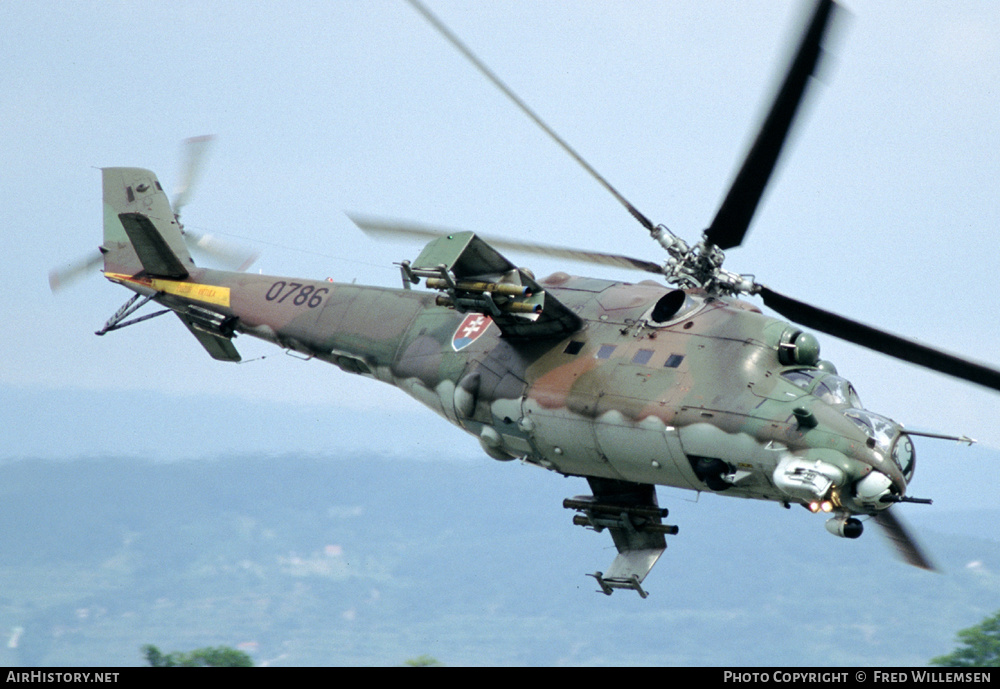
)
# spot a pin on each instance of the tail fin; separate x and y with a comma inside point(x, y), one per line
point(140, 230)
point(142, 235)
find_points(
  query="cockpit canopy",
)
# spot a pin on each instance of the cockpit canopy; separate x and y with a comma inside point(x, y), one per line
point(883, 434)
point(832, 389)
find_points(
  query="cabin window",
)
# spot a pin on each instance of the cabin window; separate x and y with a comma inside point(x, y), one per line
point(605, 351)
point(673, 361)
point(642, 356)
point(573, 347)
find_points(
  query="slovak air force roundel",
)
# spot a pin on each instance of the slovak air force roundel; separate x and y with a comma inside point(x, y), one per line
point(474, 325)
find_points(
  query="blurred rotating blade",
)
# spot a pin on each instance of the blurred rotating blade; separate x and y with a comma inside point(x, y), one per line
point(195, 150)
point(905, 545)
point(60, 278)
point(737, 210)
point(226, 254)
point(507, 91)
point(880, 340)
point(388, 229)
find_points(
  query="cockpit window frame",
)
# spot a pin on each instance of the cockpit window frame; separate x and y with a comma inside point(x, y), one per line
point(828, 387)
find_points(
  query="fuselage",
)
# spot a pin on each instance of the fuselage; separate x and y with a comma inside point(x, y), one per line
point(703, 395)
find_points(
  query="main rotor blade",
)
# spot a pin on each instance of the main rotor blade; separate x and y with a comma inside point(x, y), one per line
point(488, 73)
point(905, 545)
point(880, 341)
point(382, 229)
point(733, 218)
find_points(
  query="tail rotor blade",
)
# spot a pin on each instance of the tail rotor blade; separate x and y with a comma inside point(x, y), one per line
point(61, 278)
point(228, 254)
point(195, 150)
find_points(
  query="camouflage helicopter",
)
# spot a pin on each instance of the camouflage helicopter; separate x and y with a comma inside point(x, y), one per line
point(674, 382)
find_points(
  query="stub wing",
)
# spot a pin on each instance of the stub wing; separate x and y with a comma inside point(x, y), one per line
point(631, 513)
point(472, 276)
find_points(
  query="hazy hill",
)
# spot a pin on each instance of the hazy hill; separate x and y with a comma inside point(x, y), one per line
point(369, 560)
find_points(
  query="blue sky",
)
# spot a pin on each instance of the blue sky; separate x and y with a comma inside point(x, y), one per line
point(885, 207)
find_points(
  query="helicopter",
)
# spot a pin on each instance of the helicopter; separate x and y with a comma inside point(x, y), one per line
point(676, 381)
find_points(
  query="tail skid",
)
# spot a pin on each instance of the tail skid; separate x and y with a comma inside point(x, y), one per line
point(117, 321)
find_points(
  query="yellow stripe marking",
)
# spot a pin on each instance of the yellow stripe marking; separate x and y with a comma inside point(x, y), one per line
point(209, 294)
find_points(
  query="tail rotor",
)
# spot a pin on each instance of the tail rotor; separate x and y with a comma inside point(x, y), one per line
point(226, 254)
